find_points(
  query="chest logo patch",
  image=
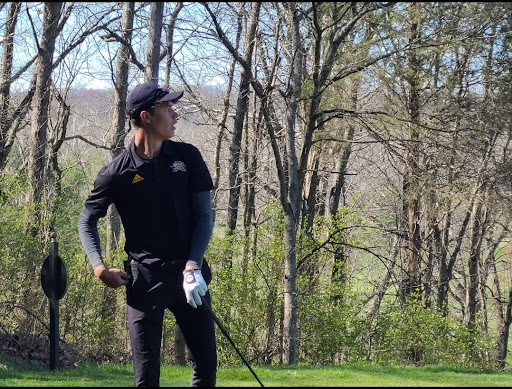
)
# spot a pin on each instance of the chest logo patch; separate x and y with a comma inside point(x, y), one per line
point(178, 166)
point(137, 178)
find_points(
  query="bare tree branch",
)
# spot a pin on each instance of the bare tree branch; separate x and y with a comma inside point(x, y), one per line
point(87, 141)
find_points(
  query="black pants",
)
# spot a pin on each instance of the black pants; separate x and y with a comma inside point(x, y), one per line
point(157, 285)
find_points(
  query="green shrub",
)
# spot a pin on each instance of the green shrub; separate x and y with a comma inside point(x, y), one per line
point(413, 334)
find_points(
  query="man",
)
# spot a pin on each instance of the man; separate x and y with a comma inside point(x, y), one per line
point(161, 189)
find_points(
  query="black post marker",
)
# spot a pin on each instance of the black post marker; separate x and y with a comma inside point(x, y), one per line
point(55, 278)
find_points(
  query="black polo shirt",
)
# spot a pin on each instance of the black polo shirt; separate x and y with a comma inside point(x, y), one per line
point(153, 198)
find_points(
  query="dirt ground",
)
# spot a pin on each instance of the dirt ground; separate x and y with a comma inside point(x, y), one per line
point(32, 348)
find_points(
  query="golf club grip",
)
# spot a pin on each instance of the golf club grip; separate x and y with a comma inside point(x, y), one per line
point(226, 334)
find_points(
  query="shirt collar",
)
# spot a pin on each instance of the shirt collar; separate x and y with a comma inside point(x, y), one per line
point(139, 161)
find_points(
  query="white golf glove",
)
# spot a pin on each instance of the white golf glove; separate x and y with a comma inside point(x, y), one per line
point(194, 287)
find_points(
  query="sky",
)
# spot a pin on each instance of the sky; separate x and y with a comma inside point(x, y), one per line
point(90, 65)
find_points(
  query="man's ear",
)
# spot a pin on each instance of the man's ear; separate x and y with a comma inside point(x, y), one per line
point(145, 117)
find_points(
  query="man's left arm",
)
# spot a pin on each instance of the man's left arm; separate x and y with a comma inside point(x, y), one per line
point(202, 230)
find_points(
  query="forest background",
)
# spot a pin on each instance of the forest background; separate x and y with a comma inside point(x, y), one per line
point(360, 154)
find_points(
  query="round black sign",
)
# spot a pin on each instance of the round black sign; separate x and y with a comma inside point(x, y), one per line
point(58, 289)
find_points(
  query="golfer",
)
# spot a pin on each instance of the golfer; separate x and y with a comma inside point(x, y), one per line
point(161, 189)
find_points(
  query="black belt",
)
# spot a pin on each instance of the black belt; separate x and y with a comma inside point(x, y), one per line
point(168, 261)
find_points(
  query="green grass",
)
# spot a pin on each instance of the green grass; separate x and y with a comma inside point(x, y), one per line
point(20, 373)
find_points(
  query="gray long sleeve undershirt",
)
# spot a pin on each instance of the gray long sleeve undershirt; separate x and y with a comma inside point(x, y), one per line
point(202, 213)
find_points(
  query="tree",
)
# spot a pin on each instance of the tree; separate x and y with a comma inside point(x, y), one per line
point(240, 115)
point(11, 118)
point(154, 41)
point(54, 20)
point(290, 168)
point(39, 120)
point(117, 144)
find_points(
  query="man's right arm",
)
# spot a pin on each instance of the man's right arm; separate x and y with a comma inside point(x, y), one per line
point(90, 238)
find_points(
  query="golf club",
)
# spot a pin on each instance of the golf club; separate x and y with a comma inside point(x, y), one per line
point(225, 332)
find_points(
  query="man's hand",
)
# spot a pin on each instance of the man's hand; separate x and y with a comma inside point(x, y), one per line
point(112, 277)
point(194, 286)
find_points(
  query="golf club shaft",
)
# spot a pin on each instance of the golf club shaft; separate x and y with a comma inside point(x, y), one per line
point(226, 334)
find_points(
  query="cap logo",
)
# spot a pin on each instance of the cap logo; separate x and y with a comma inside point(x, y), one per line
point(137, 178)
point(178, 166)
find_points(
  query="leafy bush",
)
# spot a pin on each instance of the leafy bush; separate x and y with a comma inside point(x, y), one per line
point(330, 329)
point(246, 292)
point(413, 334)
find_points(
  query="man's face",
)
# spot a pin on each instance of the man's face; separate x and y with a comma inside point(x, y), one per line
point(163, 120)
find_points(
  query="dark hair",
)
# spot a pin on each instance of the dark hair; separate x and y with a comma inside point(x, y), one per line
point(135, 118)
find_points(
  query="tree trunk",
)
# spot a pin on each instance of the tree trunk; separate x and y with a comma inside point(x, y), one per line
point(338, 189)
point(238, 125)
point(411, 255)
point(119, 120)
point(241, 115)
point(59, 133)
point(479, 224)
point(121, 83)
point(474, 262)
point(169, 54)
point(447, 264)
point(503, 334)
point(5, 78)
point(290, 313)
point(270, 326)
point(117, 140)
point(221, 127)
point(154, 40)
point(292, 209)
point(335, 193)
point(39, 120)
point(309, 268)
point(503, 321)
point(113, 224)
point(249, 162)
point(441, 241)
point(446, 269)
point(311, 183)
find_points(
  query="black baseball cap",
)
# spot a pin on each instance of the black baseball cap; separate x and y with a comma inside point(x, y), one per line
point(145, 95)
